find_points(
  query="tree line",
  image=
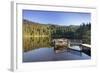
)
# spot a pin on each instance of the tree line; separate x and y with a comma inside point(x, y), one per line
point(80, 32)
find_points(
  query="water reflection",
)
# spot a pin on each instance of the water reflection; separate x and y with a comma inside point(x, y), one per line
point(39, 49)
point(30, 43)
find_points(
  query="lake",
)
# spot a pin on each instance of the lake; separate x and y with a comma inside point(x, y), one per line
point(37, 49)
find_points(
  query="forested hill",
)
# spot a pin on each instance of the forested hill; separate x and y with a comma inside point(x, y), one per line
point(34, 29)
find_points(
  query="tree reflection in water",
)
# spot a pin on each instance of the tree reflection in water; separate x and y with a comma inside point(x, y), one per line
point(31, 43)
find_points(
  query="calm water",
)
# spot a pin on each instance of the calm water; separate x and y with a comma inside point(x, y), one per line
point(31, 43)
point(40, 49)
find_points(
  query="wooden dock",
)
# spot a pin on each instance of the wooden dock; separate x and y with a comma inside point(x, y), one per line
point(66, 44)
point(86, 45)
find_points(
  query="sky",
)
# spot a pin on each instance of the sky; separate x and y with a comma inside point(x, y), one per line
point(59, 18)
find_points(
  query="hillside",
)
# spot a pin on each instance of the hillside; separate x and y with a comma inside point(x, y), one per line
point(34, 29)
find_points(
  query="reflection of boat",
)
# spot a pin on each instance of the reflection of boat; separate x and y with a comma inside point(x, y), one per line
point(61, 44)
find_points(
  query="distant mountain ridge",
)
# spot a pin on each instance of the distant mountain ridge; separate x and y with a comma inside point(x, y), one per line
point(30, 22)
